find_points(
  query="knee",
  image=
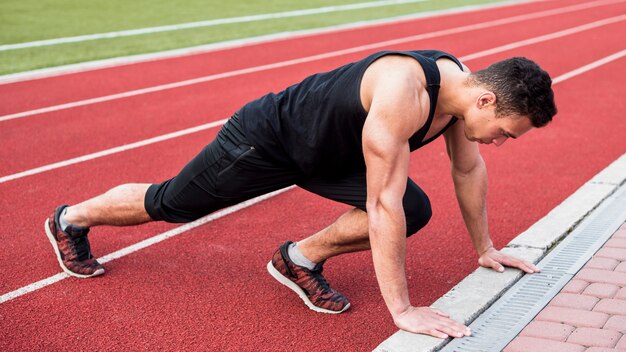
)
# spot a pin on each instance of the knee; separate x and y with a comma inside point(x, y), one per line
point(417, 216)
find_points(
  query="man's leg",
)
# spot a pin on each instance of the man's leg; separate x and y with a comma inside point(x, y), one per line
point(349, 233)
point(120, 206)
point(227, 171)
point(299, 266)
point(67, 227)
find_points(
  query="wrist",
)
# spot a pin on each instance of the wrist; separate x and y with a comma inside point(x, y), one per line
point(484, 249)
point(399, 310)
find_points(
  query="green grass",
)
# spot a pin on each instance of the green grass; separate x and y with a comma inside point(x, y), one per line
point(30, 20)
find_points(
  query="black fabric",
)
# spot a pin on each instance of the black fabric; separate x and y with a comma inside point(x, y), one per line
point(352, 190)
point(230, 170)
point(309, 135)
point(316, 125)
point(226, 172)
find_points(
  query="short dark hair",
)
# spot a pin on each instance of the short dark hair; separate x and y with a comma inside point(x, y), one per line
point(521, 87)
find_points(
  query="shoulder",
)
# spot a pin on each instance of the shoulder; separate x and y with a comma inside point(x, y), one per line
point(395, 69)
point(446, 64)
point(395, 87)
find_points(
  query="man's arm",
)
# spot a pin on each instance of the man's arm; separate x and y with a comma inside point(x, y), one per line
point(470, 183)
point(395, 113)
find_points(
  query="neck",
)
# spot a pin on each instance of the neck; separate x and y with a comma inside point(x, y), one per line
point(456, 95)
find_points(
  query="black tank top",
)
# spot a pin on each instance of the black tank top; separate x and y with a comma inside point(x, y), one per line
point(316, 125)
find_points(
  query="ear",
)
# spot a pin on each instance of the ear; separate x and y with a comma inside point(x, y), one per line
point(485, 100)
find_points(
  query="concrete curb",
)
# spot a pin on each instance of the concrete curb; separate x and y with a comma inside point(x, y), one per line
point(474, 294)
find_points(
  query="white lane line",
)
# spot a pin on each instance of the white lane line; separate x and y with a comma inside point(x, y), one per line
point(462, 29)
point(143, 244)
point(181, 229)
point(110, 151)
point(207, 23)
point(547, 37)
point(221, 122)
point(589, 67)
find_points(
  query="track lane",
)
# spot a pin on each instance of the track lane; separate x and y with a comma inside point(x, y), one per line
point(171, 320)
point(15, 191)
point(216, 295)
point(439, 33)
point(162, 112)
point(19, 96)
point(40, 200)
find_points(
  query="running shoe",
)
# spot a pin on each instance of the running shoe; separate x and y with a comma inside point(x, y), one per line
point(310, 285)
point(72, 248)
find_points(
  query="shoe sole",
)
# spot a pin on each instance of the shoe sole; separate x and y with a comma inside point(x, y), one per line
point(295, 288)
point(53, 241)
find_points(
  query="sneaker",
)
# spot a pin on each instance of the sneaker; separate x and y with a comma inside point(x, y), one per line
point(72, 248)
point(310, 285)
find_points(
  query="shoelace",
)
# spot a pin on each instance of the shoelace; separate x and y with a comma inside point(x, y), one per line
point(320, 281)
point(80, 247)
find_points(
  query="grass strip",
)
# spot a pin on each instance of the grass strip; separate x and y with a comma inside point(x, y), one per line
point(29, 20)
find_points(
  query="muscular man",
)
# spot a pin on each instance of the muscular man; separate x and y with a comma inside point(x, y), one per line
point(345, 135)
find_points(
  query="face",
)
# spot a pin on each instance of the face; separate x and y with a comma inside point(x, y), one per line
point(482, 125)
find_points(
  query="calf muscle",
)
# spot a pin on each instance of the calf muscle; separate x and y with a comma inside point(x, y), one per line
point(120, 206)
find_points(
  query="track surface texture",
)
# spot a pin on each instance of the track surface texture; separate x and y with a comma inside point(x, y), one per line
point(208, 289)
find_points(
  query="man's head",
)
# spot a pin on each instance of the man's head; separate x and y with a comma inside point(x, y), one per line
point(511, 89)
point(521, 88)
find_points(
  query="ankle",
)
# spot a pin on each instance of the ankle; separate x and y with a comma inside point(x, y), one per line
point(298, 258)
point(69, 219)
point(316, 251)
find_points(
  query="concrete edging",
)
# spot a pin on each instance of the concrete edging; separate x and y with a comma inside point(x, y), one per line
point(474, 294)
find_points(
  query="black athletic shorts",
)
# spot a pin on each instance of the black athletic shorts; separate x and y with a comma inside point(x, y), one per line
point(229, 171)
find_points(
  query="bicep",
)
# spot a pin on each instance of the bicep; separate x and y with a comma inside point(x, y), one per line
point(386, 159)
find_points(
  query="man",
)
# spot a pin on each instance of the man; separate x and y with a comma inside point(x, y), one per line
point(345, 135)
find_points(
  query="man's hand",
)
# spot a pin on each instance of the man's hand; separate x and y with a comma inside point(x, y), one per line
point(492, 258)
point(430, 321)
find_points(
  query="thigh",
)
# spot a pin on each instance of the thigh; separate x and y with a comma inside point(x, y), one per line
point(352, 190)
point(227, 171)
point(244, 173)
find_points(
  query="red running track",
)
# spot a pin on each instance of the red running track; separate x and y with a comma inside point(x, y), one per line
point(207, 289)
point(174, 109)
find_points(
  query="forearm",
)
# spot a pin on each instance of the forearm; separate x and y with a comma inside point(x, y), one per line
point(471, 193)
point(388, 242)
